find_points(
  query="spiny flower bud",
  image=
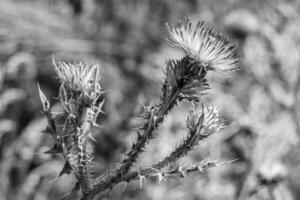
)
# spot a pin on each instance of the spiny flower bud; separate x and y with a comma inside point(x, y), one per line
point(204, 45)
point(186, 76)
point(204, 120)
point(79, 77)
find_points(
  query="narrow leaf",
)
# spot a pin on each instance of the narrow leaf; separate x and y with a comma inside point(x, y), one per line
point(44, 100)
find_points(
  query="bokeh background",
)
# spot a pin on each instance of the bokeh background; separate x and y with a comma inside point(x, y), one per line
point(260, 101)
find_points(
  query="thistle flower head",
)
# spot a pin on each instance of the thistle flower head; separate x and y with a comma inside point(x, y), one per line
point(204, 45)
point(80, 77)
point(204, 120)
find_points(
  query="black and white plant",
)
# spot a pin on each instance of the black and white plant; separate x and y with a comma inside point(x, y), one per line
point(185, 79)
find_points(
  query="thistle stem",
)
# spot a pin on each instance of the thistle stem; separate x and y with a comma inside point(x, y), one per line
point(111, 180)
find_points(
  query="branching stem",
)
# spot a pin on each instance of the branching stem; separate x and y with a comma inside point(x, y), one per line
point(154, 121)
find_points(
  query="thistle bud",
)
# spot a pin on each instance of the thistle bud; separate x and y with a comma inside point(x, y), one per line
point(204, 120)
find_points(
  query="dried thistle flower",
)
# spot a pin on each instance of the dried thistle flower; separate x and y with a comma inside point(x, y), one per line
point(80, 77)
point(204, 45)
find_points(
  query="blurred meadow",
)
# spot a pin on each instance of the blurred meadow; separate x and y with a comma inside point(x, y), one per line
point(260, 102)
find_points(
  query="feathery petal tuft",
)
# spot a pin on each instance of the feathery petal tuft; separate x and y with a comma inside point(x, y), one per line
point(204, 45)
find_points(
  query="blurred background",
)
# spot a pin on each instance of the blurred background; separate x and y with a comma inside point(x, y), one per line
point(260, 101)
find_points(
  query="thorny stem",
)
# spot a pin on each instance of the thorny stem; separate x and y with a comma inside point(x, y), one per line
point(59, 141)
point(176, 172)
point(179, 152)
point(80, 148)
point(153, 122)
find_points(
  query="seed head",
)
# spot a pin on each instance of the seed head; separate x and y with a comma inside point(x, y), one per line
point(204, 45)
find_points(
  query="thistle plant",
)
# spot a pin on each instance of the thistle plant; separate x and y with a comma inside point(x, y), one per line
point(185, 79)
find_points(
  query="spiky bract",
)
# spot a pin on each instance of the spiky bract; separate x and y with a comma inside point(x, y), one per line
point(186, 76)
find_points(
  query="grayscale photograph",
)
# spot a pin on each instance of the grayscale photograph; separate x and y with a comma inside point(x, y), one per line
point(149, 100)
